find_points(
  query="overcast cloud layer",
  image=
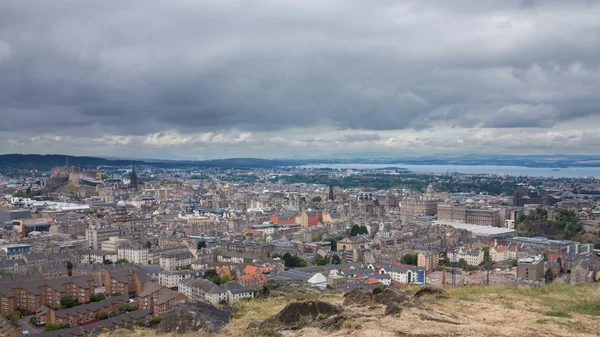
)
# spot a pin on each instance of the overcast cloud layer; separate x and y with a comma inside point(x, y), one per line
point(279, 78)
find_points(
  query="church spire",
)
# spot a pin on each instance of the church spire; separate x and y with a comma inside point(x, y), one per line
point(133, 178)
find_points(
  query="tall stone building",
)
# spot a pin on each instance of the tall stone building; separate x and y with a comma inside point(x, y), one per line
point(411, 207)
point(452, 212)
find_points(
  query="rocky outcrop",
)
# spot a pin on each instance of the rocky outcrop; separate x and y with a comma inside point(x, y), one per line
point(393, 309)
point(358, 297)
point(193, 316)
point(302, 314)
point(430, 290)
point(386, 295)
point(380, 295)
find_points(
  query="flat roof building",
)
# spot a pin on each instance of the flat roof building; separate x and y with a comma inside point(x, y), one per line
point(9, 216)
point(477, 230)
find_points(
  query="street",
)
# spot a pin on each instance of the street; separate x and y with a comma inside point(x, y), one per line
point(26, 325)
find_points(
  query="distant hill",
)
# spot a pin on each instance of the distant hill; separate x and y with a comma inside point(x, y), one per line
point(46, 162)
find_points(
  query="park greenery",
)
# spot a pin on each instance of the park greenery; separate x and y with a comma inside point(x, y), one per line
point(410, 259)
point(97, 297)
point(566, 224)
point(68, 301)
point(212, 276)
point(410, 180)
point(359, 230)
point(292, 261)
point(320, 260)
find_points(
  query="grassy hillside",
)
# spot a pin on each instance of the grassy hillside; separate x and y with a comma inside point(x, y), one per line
point(556, 310)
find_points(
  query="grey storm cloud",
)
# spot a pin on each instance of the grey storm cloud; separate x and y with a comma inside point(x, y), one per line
point(144, 66)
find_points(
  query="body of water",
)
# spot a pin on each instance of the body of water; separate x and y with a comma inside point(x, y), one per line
point(572, 172)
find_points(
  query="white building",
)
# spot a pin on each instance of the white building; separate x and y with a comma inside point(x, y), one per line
point(236, 292)
point(474, 257)
point(134, 255)
point(112, 244)
point(176, 260)
point(171, 279)
point(405, 275)
point(98, 235)
point(202, 290)
point(97, 256)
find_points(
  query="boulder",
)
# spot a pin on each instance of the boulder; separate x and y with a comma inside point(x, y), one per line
point(300, 314)
point(393, 309)
point(358, 297)
point(387, 295)
point(193, 316)
point(430, 290)
point(332, 323)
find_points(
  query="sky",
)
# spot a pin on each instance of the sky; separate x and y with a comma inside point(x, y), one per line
point(194, 79)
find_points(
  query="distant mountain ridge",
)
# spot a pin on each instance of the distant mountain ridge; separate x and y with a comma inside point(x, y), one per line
point(52, 160)
point(535, 161)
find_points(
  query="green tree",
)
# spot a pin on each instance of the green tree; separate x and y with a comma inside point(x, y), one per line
point(335, 259)
point(97, 297)
point(148, 244)
point(68, 301)
point(363, 230)
point(333, 245)
point(107, 261)
point(549, 275)
point(316, 199)
point(53, 327)
point(411, 259)
point(120, 261)
point(354, 231)
point(14, 318)
point(210, 273)
point(69, 268)
point(293, 261)
point(154, 321)
point(320, 260)
point(102, 315)
point(225, 279)
point(201, 244)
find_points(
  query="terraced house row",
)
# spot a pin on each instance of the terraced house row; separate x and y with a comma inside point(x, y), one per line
point(32, 294)
point(82, 314)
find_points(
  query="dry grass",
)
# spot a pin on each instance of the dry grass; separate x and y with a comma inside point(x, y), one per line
point(556, 310)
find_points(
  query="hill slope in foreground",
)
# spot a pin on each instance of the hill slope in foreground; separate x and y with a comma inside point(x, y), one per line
point(556, 310)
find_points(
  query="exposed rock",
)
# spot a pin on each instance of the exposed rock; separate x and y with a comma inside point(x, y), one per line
point(387, 295)
point(300, 314)
point(193, 316)
point(358, 296)
point(294, 289)
point(332, 323)
point(438, 317)
point(430, 290)
point(393, 309)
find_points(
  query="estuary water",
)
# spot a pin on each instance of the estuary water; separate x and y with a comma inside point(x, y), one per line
point(571, 172)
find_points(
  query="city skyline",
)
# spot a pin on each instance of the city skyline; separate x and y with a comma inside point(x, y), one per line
point(197, 80)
